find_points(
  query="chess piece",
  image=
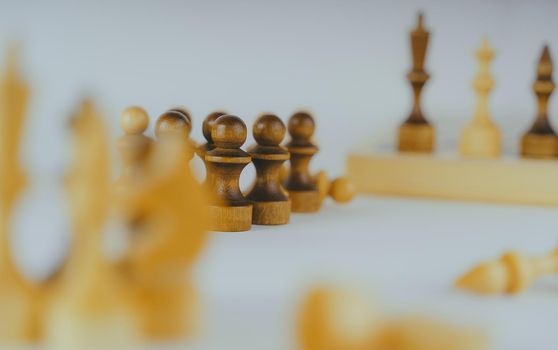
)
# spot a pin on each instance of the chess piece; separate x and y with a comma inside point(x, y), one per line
point(201, 150)
point(230, 211)
point(541, 141)
point(341, 190)
point(167, 240)
point(481, 138)
point(304, 194)
point(176, 122)
point(17, 296)
point(416, 134)
point(91, 306)
point(512, 273)
point(333, 319)
point(271, 202)
point(134, 146)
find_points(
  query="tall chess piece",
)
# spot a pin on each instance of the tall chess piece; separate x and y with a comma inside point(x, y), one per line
point(133, 146)
point(302, 187)
point(512, 273)
point(481, 138)
point(416, 134)
point(271, 203)
point(230, 210)
point(541, 140)
point(176, 123)
point(202, 149)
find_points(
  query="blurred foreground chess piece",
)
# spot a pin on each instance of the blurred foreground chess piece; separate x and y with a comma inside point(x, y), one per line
point(481, 138)
point(91, 305)
point(416, 134)
point(176, 123)
point(271, 202)
point(169, 236)
point(133, 146)
point(230, 211)
point(17, 297)
point(304, 194)
point(341, 190)
point(541, 141)
point(511, 274)
point(202, 149)
point(333, 319)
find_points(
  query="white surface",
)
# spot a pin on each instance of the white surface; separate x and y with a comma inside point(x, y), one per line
point(406, 251)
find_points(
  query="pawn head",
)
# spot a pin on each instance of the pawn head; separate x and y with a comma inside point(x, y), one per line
point(182, 111)
point(208, 123)
point(173, 123)
point(229, 132)
point(301, 126)
point(269, 130)
point(134, 120)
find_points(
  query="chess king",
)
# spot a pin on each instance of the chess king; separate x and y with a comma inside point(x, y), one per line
point(416, 134)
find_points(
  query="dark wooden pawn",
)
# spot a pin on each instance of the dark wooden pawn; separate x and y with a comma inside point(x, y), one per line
point(304, 194)
point(202, 149)
point(271, 202)
point(229, 211)
point(541, 141)
point(176, 123)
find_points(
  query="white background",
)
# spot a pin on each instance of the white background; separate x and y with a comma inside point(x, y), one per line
point(346, 62)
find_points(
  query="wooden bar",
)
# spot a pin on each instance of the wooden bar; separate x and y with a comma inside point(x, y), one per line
point(504, 180)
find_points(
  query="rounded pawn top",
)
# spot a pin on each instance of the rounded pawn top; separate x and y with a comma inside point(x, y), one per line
point(208, 123)
point(301, 126)
point(134, 120)
point(182, 111)
point(229, 131)
point(269, 130)
point(173, 122)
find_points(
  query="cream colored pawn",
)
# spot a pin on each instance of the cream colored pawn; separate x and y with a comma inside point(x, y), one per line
point(481, 138)
point(511, 274)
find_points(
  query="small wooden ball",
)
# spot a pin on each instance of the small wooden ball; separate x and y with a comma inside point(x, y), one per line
point(342, 190)
point(182, 111)
point(134, 120)
point(301, 126)
point(173, 123)
point(208, 123)
point(269, 130)
point(229, 131)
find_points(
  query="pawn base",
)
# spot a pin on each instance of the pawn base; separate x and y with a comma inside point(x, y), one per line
point(416, 138)
point(271, 213)
point(230, 219)
point(539, 146)
point(480, 142)
point(305, 201)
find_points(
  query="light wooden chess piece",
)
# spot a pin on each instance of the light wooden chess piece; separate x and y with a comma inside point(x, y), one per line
point(167, 240)
point(91, 306)
point(481, 138)
point(230, 211)
point(416, 134)
point(133, 146)
point(541, 141)
point(271, 202)
point(304, 194)
point(176, 123)
point(511, 274)
point(17, 297)
point(334, 319)
point(341, 190)
point(202, 149)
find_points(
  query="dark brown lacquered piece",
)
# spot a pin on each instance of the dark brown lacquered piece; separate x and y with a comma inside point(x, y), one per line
point(416, 134)
point(304, 194)
point(541, 141)
point(176, 123)
point(202, 149)
point(271, 202)
point(230, 211)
